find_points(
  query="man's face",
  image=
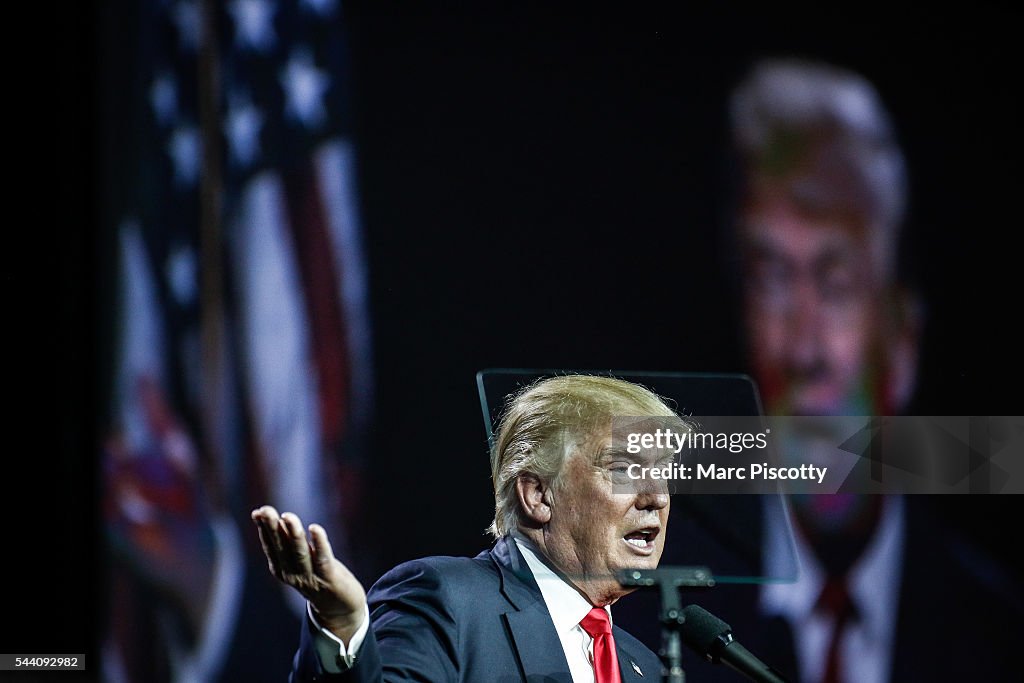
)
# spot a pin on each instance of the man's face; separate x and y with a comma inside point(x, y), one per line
point(595, 529)
point(811, 313)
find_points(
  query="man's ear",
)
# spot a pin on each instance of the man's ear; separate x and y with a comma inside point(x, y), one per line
point(534, 499)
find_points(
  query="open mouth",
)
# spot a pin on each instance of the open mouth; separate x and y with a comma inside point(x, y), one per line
point(642, 539)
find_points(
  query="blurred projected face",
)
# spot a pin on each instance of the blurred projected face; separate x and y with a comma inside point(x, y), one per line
point(811, 317)
point(595, 531)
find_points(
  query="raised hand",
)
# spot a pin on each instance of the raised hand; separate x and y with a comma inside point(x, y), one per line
point(310, 567)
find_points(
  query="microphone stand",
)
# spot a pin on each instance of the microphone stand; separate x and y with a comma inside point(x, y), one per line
point(669, 581)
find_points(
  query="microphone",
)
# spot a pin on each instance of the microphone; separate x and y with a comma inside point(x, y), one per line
point(712, 638)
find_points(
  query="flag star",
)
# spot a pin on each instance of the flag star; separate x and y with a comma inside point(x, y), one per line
point(254, 24)
point(242, 129)
point(304, 87)
point(163, 97)
point(185, 148)
point(189, 21)
point(322, 7)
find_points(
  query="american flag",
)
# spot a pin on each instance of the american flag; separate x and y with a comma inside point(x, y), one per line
point(243, 370)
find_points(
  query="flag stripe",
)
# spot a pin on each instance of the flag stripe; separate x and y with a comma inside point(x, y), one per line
point(315, 256)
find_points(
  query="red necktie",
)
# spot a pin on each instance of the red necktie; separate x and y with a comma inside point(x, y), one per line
point(835, 599)
point(606, 659)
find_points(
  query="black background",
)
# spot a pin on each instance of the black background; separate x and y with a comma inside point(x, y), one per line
point(540, 188)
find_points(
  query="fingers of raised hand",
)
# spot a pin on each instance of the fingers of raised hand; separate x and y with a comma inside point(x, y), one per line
point(268, 524)
point(323, 555)
point(310, 567)
point(290, 556)
point(296, 559)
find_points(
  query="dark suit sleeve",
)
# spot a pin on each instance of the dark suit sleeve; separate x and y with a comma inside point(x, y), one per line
point(412, 636)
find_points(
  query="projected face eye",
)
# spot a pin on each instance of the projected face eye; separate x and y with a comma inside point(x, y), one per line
point(775, 279)
point(839, 280)
point(771, 279)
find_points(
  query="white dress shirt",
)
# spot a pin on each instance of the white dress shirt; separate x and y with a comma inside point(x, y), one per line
point(566, 606)
point(873, 582)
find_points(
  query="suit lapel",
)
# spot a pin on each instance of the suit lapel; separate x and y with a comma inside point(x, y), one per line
point(532, 637)
point(529, 624)
point(533, 634)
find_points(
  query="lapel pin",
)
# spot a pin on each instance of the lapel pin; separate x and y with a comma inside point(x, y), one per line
point(636, 668)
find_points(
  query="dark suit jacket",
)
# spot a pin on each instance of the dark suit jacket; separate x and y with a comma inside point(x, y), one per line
point(461, 619)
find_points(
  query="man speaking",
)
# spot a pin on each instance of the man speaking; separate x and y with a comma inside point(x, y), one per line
point(536, 606)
